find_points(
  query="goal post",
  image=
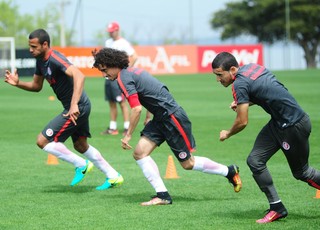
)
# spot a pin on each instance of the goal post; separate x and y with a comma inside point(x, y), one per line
point(7, 54)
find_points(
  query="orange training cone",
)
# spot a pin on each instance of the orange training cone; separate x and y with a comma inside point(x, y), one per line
point(317, 194)
point(52, 160)
point(171, 172)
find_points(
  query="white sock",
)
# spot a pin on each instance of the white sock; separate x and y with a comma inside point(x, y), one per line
point(151, 172)
point(113, 125)
point(62, 152)
point(126, 124)
point(206, 165)
point(97, 159)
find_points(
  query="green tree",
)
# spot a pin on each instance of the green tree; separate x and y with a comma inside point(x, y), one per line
point(266, 20)
point(12, 24)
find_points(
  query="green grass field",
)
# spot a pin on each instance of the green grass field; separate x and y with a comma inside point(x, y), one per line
point(34, 195)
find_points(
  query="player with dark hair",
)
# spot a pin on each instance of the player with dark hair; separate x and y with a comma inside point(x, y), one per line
point(288, 129)
point(170, 123)
point(67, 82)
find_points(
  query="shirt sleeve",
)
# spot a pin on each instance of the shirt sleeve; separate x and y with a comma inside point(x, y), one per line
point(240, 91)
point(133, 100)
point(126, 83)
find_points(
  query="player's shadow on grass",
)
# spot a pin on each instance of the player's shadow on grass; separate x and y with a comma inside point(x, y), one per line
point(187, 198)
point(141, 197)
point(257, 214)
point(68, 189)
point(129, 198)
point(305, 217)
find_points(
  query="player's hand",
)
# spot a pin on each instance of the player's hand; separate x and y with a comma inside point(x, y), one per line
point(125, 142)
point(233, 106)
point(73, 114)
point(224, 134)
point(12, 79)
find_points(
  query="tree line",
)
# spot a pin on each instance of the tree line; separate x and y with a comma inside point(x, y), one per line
point(270, 21)
point(14, 24)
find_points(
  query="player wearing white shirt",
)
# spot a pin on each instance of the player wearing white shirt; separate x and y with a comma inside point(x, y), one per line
point(113, 93)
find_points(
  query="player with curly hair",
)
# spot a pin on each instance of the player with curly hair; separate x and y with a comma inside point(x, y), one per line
point(170, 124)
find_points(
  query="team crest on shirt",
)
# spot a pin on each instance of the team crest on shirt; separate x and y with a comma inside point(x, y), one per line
point(49, 132)
point(182, 155)
point(285, 145)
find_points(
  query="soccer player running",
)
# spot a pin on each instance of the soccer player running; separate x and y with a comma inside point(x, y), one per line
point(288, 129)
point(112, 91)
point(67, 82)
point(170, 123)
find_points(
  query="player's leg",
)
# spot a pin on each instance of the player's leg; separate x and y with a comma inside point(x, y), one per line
point(113, 178)
point(126, 116)
point(113, 115)
point(52, 139)
point(150, 139)
point(112, 101)
point(150, 170)
point(206, 165)
point(79, 138)
point(59, 150)
point(264, 148)
point(297, 150)
point(181, 141)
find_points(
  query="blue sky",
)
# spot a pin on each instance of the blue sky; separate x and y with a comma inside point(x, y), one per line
point(145, 21)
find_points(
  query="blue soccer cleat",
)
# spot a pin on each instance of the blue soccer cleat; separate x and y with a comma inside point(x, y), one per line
point(81, 172)
point(110, 183)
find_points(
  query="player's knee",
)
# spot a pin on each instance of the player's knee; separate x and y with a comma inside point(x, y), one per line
point(81, 145)
point(40, 144)
point(187, 167)
point(80, 148)
point(254, 164)
point(303, 175)
point(188, 164)
point(41, 141)
point(250, 162)
point(299, 177)
point(138, 155)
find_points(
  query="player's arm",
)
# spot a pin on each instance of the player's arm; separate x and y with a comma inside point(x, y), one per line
point(135, 114)
point(78, 84)
point(239, 124)
point(233, 105)
point(13, 79)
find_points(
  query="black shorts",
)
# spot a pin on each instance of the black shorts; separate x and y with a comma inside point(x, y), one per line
point(112, 91)
point(60, 128)
point(176, 130)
